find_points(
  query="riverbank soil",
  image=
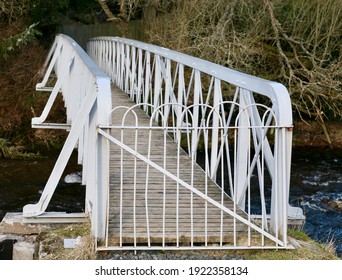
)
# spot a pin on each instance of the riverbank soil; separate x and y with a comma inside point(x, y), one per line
point(311, 134)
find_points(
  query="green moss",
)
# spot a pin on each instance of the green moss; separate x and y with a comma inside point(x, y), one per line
point(73, 231)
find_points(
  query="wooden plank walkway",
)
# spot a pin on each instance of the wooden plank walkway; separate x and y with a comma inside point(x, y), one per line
point(162, 217)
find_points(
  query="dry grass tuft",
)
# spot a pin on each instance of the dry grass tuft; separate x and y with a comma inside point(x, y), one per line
point(51, 244)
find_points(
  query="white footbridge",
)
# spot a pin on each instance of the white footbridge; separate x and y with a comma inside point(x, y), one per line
point(176, 152)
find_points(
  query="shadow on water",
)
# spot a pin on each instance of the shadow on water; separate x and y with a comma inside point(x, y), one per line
point(316, 175)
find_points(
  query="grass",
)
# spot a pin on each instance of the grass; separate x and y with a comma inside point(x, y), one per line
point(15, 152)
point(298, 234)
point(51, 244)
point(305, 249)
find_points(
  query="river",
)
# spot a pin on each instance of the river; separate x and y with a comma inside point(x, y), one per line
point(316, 175)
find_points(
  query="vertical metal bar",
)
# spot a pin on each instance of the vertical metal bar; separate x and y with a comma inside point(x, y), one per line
point(196, 116)
point(284, 186)
point(206, 147)
point(147, 79)
point(214, 135)
point(222, 188)
point(121, 185)
point(157, 85)
point(106, 57)
point(249, 188)
point(140, 75)
point(235, 185)
point(174, 99)
point(193, 162)
point(132, 73)
point(242, 153)
point(109, 58)
point(180, 97)
point(188, 92)
point(177, 190)
point(164, 184)
point(108, 196)
point(114, 62)
point(168, 90)
point(127, 68)
point(146, 189)
point(276, 185)
point(122, 68)
point(119, 66)
point(227, 125)
point(135, 184)
point(262, 191)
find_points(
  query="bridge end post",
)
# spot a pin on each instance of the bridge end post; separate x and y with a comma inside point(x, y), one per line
point(104, 106)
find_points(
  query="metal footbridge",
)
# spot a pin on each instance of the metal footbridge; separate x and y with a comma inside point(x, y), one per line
point(176, 152)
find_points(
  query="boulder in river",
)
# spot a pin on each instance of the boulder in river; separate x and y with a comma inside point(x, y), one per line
point(335, 205)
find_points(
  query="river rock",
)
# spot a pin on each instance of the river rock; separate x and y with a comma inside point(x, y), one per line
point(73, 178)
point(335, 205)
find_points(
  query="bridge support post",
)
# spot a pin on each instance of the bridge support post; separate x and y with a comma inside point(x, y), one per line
point(104, 106)
point(243, 147)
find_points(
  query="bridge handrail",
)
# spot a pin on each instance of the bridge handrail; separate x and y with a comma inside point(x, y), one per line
point(85, 88)
point(273, 90)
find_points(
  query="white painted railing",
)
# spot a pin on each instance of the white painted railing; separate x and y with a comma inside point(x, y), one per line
point(221, 104)
point(87, 96)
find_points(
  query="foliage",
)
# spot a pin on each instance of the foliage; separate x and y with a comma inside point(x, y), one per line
point(48, 11)
point(21, 56)
point(8, 45)
point(294, 42)
point(14, 152)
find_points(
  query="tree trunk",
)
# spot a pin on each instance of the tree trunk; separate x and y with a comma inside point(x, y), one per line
point(107, 11)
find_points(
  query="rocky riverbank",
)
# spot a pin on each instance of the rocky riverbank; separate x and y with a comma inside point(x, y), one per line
point(311, 134)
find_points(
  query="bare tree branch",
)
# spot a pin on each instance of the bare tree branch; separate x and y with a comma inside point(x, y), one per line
point(107, 11)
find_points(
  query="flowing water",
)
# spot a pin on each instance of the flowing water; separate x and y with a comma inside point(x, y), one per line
point(316, 176)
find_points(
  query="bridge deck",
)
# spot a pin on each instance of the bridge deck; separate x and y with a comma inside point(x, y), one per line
point(163, 217)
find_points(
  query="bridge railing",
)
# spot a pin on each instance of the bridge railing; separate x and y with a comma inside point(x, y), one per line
point(87, 96)
point(257, 110)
